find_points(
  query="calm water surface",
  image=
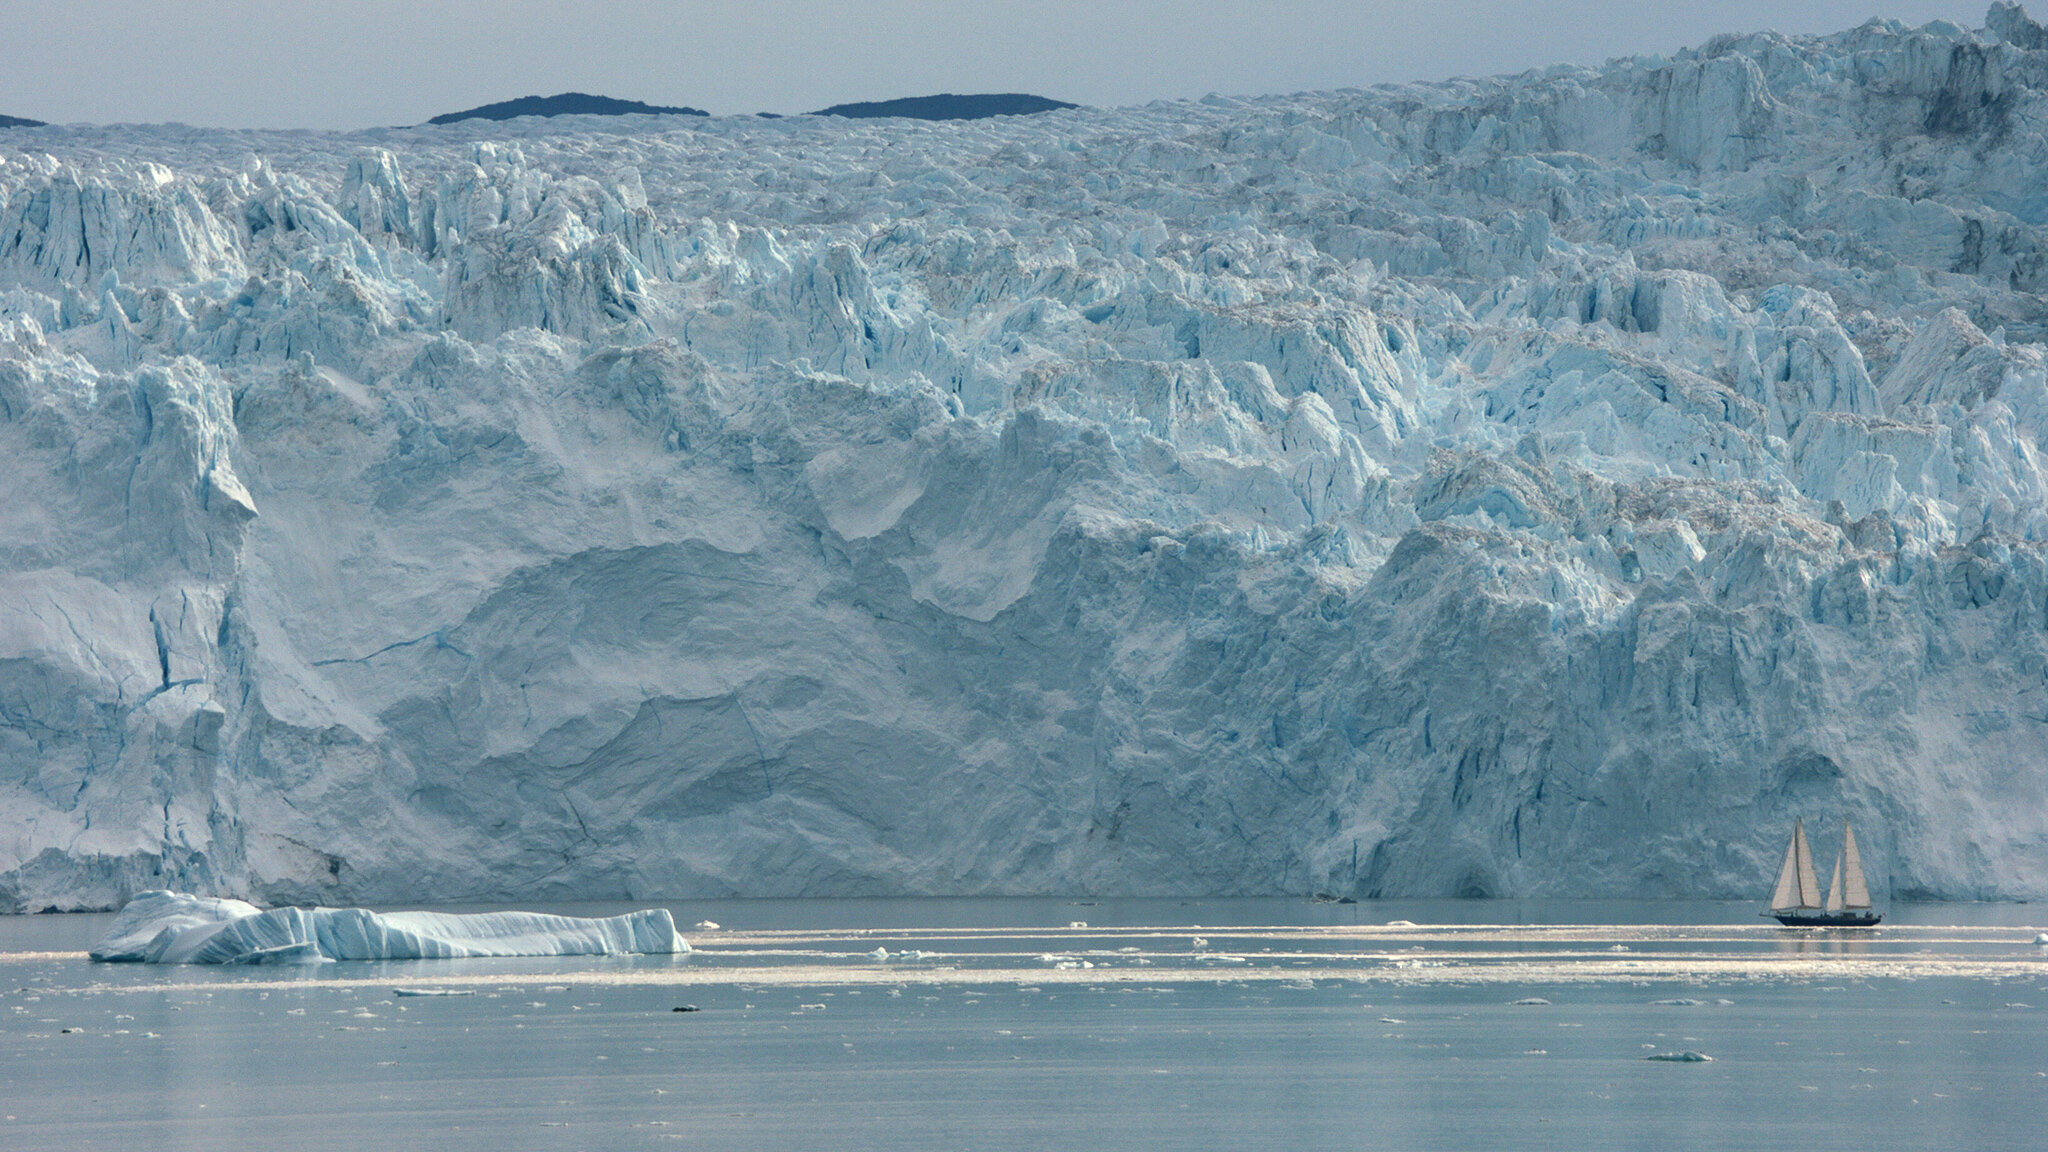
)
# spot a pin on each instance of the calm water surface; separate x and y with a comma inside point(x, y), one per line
point(1000, 1024)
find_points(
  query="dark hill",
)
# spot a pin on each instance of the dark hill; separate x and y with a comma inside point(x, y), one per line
point(947, 106)
point(567, 104)
point(18, 122)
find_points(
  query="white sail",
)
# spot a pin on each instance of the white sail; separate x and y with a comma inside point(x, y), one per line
point(1835, 886)
point(1809, 886)
point(1857, 894)
point(1797, 887)
point(1786, 894)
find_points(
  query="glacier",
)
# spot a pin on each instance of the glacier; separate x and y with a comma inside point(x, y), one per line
point(1542, 485)
point(164, 927)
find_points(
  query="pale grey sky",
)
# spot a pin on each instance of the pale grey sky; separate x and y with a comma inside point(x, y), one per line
point(358, 63)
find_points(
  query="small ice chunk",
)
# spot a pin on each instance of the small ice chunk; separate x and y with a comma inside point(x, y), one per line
point(433, 991)
point(2042, 938)
point(1686, 1057)
point(1680, 1002)
point(1531, 1002)
point(879, 955)
point(707, 925)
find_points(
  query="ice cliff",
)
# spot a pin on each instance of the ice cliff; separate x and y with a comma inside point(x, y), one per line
point(1544, 485)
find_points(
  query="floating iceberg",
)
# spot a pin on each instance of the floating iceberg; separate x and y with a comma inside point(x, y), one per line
point(176, 928)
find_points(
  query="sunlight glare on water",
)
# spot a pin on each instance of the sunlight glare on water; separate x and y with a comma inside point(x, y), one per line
point(1062, 1024)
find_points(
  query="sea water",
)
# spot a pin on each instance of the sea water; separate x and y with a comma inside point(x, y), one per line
point(1050, 1024)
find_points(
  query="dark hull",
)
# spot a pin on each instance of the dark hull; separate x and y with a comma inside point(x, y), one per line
point(1828, 919)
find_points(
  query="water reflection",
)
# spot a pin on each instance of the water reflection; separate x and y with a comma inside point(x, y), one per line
point(1825, 941)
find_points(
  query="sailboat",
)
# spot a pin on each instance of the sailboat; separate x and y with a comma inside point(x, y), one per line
point(1796, 901)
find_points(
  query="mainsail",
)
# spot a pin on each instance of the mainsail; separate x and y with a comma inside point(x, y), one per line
point(1857, 894)
point(1797, 885)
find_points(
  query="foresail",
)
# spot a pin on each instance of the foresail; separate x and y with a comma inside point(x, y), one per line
point(1786, 895)
point(1857, 893)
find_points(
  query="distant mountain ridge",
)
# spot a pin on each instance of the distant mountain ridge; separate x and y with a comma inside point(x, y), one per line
point(20, 122)
point(947, 106)
point(565, 104)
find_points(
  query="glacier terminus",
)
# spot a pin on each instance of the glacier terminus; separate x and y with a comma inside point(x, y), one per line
point(1546, 485)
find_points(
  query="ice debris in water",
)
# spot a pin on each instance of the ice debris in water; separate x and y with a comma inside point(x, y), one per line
point(433, 991)
point(176, 928)
point(1531, 1001)
point(1686, 1057)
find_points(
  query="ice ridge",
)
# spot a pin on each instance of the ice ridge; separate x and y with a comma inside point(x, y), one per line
point(1541, 485)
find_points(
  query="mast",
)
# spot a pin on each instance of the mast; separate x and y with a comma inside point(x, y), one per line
point(1835, 887)
point(1857, 894)
point(1809, 886)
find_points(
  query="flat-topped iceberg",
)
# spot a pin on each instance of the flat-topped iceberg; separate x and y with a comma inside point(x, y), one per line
point(176, 928)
